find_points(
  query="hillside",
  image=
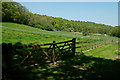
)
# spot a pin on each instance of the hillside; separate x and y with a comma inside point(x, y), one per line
point(15, 12)
point(12, 33)
point(92, 54)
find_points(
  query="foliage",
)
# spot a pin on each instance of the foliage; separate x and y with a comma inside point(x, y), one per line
point(115, 31)
point(15, 12)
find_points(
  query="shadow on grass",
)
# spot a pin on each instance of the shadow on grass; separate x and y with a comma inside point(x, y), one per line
point(69, 67)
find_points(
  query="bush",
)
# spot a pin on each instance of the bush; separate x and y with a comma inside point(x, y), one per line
point(85, 33)
point(117, 52)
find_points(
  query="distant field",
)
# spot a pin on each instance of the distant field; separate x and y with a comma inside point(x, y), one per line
point(13, 33)
point(26, 28)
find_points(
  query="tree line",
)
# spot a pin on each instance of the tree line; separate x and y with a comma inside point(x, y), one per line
point(15, 12)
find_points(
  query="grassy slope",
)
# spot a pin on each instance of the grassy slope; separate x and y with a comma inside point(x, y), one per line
point(27, 38)
point(79, 67)
point(106, 51)
point(13, 33)
point(28, 28)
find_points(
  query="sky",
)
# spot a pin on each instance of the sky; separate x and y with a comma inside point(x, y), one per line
point(66, 0)
point(98, 12)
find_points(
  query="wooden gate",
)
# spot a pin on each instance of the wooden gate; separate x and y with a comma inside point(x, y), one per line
point(54, 51)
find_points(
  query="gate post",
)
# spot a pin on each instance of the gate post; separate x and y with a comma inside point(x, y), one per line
point(53, 57)
point(73, 45)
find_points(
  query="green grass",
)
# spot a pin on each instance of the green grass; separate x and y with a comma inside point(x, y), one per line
point(71, 68)
point(99, 63)
point(12, 36)
point(28, 28)
point(13, 33)
point(107, 51)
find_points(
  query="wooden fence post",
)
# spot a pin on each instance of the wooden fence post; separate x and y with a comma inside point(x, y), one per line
point(53, 59)
point(6, 58)
point(73, 45)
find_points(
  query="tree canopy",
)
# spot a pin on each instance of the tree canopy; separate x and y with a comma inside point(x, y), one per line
point(15, 12)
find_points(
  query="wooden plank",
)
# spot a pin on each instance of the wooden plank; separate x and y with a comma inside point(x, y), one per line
point(38, 45)
point(54, 46)
point(64, 42)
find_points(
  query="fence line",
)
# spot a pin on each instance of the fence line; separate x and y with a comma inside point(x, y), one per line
point(54, 50)
point(94, 45)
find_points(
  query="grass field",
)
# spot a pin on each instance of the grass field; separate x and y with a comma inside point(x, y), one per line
point(99, 63)
point(84, 66)
point(109, 51)
point(13, 33)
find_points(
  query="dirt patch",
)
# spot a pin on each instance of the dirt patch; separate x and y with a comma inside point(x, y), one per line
point(77, 32)
point(117, 57)
point(87, 50)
